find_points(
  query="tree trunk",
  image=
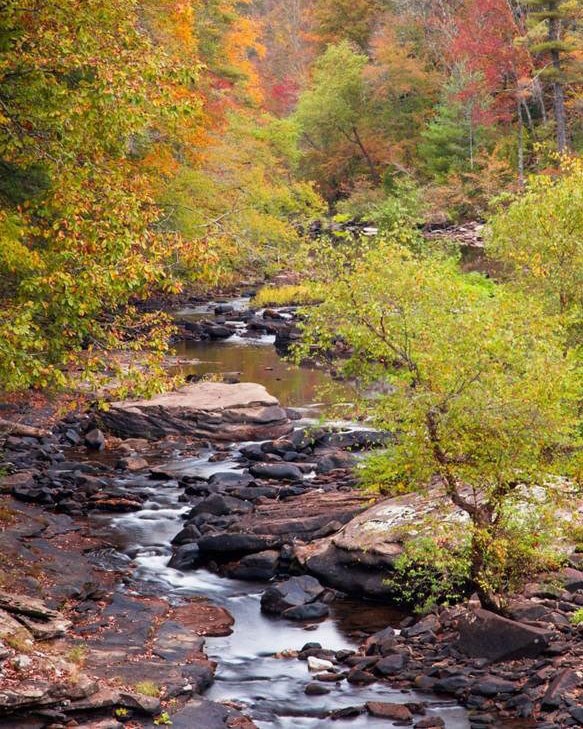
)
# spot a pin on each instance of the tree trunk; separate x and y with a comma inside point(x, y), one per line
point(520, 145)
point(9, 427)
point(558, 90)
point(373, 170)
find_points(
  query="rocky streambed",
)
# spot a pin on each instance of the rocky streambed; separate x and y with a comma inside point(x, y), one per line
point(204, 558)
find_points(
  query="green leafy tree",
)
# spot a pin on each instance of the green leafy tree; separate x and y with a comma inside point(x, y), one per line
point(538, 237)
point(475, 384)
point(330, 112)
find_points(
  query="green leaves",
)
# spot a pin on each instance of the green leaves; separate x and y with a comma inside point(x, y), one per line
point(472, 378)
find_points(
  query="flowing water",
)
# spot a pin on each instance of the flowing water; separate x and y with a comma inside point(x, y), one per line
point(270, 688)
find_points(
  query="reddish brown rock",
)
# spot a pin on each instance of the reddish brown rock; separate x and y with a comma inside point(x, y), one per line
point(388, 710)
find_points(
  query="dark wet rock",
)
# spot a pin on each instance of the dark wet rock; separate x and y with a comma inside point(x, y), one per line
point(391, 665)
point(560, 688)
point(576, 713)
point(221, 506)
point(242, 411)
point(204, 714)
point(361, 661)
point(291, 593)
point(493, 686)
point(230, 479)
point(188, 535)
point(277, 471)
point(345, 571)
point(354, 440)
point(185, 557)
point(259, 566)
point(332, 461)
point(451, 684)
point(95, 439)
point(224, 309)
point(388, 710)
point(256, 493)
point(350, 712)
point(572, 579)
point(220, 331)
point(232, 544)
point(312, 611)
point(174, 642)
point(199, 676)
point(428, 624)
point(34, 494)
point(380, 643)
point(526, 610)
point(316, 689)
point(253, 452)
point(360, 677)
point(484, 634)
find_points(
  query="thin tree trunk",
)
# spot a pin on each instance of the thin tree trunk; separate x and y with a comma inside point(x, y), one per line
point(538, 93)
point(373, 170)
point(19, 429)
point(558, 90)
point(520, 145)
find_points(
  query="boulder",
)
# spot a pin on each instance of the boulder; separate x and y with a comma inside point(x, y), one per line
point(381, 642)
point(132, 463)
point(276, 471)
point(204, 714)
point(388, 710)
point(483, 634)
point(260, 566)
point(230, 412)
point(221, 506)
point(291, 593)
point(560, 688)
point(391, 665)
point(311, 611)
point(187, 556)
point(360, 557)
point(24, 480)
point(95, 440)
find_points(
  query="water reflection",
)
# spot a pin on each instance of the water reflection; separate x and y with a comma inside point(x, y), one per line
point(256, 360)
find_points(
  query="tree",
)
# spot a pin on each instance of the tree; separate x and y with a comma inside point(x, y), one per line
point(486, 41)
point(538, 237)
point(334, 21)
point(480, 395)
point(557, 14)
point(331, 111)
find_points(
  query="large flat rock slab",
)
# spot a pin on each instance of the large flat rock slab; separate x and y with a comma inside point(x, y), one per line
point(215, 410)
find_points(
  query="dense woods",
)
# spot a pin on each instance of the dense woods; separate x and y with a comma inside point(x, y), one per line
point(145, 146)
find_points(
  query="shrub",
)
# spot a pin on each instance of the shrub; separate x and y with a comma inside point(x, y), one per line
point(300, 295)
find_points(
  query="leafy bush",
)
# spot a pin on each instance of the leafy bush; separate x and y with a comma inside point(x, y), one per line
point(429, 574)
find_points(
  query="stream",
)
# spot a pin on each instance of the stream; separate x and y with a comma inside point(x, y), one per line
point(269, 689)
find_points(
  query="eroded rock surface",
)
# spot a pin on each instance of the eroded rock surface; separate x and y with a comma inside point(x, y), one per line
point(358, 558)
point(238, 412)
